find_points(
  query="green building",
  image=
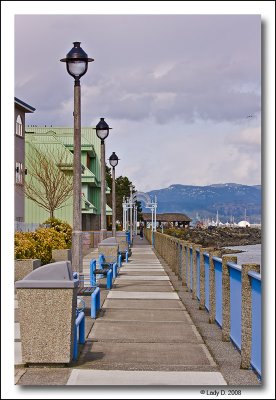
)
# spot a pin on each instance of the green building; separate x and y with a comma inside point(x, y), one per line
point(57, 143)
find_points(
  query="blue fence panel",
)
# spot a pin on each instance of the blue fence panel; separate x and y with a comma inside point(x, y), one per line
point(198, 273)
point(218, 288)
point(191, 268)
point(207, 268)
point(235, 303)
point(256, 351)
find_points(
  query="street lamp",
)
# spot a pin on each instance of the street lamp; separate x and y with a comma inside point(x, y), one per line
point(77, 64)
point(130, 215)
point(102, 131)
point(113, 161)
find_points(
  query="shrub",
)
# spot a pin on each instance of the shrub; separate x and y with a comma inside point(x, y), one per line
point(62, 227)
point(24, 246)
point(39, 244)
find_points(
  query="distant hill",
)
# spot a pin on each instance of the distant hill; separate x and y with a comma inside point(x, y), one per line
point(199, 202)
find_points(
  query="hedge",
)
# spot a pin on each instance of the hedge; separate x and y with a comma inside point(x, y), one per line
point(39, 244)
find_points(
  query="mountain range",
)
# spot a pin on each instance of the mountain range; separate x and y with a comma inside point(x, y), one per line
point(232, 201)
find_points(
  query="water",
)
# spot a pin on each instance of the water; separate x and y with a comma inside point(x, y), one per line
point(252, 254)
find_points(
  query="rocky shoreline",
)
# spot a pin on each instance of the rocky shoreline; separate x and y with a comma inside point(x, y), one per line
point(219, 238)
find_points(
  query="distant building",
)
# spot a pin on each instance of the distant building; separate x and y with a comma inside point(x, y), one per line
point(58, 140)
point(20, 109)
point(169, 219)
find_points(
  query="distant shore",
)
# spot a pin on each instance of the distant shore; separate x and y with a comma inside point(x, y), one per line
point(219, 238)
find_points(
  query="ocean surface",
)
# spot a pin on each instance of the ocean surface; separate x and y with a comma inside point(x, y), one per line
point(252, 254)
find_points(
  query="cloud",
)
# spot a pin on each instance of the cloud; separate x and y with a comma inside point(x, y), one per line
point(175, 88)
point(192, 63)
point(248, 139)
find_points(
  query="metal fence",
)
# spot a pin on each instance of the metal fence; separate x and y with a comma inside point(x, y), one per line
point(27, 226)
point(231, 293)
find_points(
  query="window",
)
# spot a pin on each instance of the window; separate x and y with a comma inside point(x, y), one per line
point(18, 173)
point(19, 126)
point(88, 161)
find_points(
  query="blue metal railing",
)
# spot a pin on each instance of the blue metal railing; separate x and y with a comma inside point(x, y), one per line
point(218, 288)
point(191, 267)
point(235, 293)
point(187, 257)
point(79, 333)
point(256, 349)
point(207, 269)
point(235, 303)
point(128, 237)
point(96, 295)
point(95, 302)
point(112, 272)
point(198, 273)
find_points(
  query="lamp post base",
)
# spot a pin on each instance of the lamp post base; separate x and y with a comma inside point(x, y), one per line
point(103, 234)
point(77, 251)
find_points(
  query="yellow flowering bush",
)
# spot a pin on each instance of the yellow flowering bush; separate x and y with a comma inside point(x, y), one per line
point(24, 246)
point(62, 227)
point(39, 244)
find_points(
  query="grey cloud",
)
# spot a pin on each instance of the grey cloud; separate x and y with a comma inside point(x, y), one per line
point(210, 58)
point(195, 77)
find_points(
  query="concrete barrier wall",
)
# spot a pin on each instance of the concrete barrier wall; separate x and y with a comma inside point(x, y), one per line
point(91, 239)
point(110, 251)
point(24, 267)
point(228, 291)
point(61, 255)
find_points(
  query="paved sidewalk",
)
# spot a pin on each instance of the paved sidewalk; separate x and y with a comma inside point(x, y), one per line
point(144, 335)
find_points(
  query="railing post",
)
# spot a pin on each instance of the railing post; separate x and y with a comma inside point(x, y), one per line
point(179, 260)
point(82, 331)
point(195, 246)
point(173, 251)
point(109, 279)
point(212, 286)
point(226, 297)
point(91, 272)
point(202, 278)
point(183, 277)
point(188, 266)
point(246, 329)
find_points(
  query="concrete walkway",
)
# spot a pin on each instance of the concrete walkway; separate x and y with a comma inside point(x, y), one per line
point(143, 334)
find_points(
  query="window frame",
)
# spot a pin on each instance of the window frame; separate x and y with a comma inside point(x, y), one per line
point(19, 174)
point(19, 126)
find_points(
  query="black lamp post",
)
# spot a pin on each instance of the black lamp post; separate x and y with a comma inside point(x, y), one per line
point(77, 64)
point(113, 161)
point(102, 131)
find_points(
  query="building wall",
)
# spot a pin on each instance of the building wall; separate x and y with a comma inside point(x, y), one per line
point(91, 222)
point(19, 156)
point(62, 138)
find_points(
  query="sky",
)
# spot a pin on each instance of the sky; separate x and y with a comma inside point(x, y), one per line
point(181, 92)
point(176, 90)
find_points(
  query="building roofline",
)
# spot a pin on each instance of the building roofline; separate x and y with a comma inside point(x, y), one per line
point(168, 217)
point(25, 106)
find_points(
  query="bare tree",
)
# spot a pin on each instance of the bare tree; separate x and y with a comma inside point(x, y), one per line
point(50, 180)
